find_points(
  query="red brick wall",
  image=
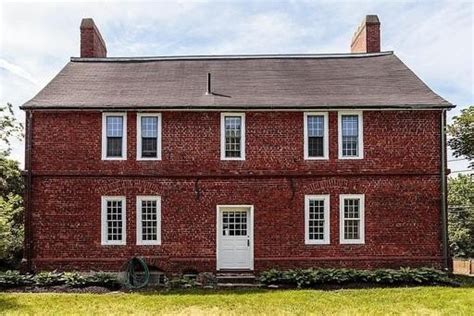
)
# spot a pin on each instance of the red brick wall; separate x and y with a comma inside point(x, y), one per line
point(394, 141)
point(399, 177)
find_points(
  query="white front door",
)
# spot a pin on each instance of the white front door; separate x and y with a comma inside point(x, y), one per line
point(235, 237)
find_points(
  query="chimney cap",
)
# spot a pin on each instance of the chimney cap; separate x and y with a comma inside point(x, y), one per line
point(372, 18)
point(87, 23)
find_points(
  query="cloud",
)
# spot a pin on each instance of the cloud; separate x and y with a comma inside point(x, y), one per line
point(18, 71)
point(435, 39)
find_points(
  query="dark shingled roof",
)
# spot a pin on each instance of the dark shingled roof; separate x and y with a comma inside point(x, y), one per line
point(241, 82)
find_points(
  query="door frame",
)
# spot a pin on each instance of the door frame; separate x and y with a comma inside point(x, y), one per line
point(250, 228)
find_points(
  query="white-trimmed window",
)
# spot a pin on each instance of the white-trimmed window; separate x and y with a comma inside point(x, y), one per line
point(114, 136)
point(114, 216)
point(316, 143)
point(232, 136)
point(351, 135)
point(316, 212)
point(148, 220)
point(148, 136)
point(352, 220)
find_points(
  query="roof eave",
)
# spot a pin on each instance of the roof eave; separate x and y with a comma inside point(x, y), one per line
point(222, 107)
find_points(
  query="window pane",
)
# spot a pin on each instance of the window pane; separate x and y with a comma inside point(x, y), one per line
point(234, 223)
point(150, 126)
point(351, 229)
point(114, 220)
point(351, 218)
point(149, 147)
point(114, 146)
point(315, 125)
point(351, 208)
point(114, 126)
point(233, 129)
point(315, 147)
point(316, 220)
point(350, 135)
point(149, 220)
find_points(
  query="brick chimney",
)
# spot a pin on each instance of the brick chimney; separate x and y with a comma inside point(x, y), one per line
point(92, 44)
point(367, 37)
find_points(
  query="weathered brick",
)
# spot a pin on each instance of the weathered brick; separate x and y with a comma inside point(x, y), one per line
point(399, 176)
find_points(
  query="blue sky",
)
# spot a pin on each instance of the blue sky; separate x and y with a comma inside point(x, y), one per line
point(434, 38)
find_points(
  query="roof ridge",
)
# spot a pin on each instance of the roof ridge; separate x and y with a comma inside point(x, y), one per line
point(230, 57)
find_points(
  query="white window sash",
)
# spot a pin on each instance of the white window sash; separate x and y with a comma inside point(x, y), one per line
point(361, 219)
point(140, 240)
point(139, 136)
point(326, 239)
point(360, 138)
point(104, 135)
point(325, 136)
point(242, 136)
point(104, 232)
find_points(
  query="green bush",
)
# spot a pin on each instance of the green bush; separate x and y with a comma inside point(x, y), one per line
point(304, 278)
point(104, 279)
point(48, 278)
point(10, 279)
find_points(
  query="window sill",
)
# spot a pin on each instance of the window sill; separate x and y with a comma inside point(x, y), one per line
point(318, 243)
point(113, 244)
point(352, 242)
point(316, 158)
point(112, 159)
point(149, 159)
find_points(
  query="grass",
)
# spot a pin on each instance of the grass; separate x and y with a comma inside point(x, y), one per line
point(382, 301)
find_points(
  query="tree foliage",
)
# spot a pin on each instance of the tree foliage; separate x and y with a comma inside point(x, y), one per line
point(462, 135)
point(461, 216)
point(11, 190)
point(9, 128)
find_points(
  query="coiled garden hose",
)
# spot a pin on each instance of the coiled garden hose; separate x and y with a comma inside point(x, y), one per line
point(137, 274)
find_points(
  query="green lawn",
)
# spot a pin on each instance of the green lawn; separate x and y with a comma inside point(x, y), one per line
point(408, 301)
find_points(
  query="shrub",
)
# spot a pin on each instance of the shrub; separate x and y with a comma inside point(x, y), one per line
point(104, 279)
point(74, 279)
point(48, 278)
point(314, 277)
point(181, 283)
point(10, 279)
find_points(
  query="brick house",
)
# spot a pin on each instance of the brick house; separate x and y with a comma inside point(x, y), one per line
point(236, 162)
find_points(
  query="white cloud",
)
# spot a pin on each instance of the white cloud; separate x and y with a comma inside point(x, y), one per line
point(435, 39)
point(18, 71)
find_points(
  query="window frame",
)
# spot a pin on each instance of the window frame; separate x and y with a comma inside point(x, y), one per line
point(103, 239)
point(360, 132)
point(325, 136)
point(327, 220)
point(139, 136)
point(361, 198)
point(242, 138)
point(139, 225)
point(104, 135)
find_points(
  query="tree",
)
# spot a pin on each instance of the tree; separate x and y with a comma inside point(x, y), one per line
point(462, 135)
point(461, 216)
point(11, 190)
point(9, 128)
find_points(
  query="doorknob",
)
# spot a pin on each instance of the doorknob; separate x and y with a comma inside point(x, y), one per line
point(248, 242)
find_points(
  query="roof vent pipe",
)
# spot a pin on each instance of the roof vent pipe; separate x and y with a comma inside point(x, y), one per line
point(208, 91)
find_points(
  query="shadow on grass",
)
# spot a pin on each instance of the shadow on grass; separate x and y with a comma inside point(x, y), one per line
point(220, 291)
point(7, 304)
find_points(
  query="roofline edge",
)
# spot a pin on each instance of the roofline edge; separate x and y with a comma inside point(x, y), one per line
point(233, 108)
point(230, 57)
